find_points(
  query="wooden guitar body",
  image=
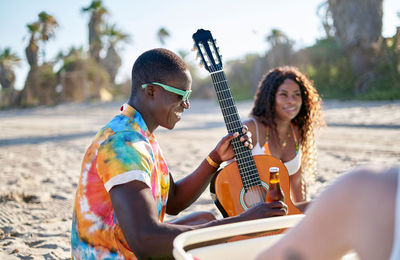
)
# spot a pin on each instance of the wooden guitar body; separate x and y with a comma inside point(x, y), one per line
point(230, 193)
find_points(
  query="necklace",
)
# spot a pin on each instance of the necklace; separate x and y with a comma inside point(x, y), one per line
point(284, 142)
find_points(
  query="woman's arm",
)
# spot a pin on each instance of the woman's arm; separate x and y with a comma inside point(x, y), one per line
point(296, 192)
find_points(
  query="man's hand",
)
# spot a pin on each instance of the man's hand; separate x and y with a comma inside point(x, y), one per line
point(264, 210)
point(224, 151)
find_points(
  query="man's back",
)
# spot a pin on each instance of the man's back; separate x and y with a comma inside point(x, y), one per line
point(120, 152)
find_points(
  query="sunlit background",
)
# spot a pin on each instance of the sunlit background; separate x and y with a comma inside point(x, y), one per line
point(240, 27)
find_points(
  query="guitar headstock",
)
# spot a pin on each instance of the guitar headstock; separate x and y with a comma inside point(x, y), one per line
point(207, 50)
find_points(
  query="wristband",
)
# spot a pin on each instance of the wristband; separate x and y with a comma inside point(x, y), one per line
point(212, 163)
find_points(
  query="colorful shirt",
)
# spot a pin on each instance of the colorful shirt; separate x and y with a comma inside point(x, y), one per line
point(121, 152)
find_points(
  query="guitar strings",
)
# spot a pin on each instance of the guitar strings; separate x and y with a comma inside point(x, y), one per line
point(227, 109)
point(244, 157)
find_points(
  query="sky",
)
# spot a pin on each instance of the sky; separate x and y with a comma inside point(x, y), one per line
point(239, 26)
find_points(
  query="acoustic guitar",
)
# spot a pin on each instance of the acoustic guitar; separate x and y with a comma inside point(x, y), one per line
point(244, 182)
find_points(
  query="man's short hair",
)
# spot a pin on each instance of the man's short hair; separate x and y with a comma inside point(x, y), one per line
point(156, 65)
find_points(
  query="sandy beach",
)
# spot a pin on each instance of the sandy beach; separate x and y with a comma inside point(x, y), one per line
point(41, 151)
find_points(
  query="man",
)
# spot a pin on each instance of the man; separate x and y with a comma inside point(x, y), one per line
point(125, 187)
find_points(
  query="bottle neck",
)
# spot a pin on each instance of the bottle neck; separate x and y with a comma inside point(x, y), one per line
point(274, 178)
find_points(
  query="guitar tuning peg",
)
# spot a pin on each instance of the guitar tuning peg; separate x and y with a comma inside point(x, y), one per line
point(198, 56)
point(201, 63)
point(194, 48)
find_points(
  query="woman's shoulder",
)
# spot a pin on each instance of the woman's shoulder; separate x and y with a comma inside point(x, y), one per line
point(297, 132)
point(250, 122)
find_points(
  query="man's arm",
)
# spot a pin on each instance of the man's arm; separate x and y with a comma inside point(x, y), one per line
point(137, 215)
point(187, 190)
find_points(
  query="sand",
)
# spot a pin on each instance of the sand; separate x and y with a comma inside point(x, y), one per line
point(41, 151)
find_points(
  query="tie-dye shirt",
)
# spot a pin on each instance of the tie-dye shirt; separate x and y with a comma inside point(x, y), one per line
point(121, 152)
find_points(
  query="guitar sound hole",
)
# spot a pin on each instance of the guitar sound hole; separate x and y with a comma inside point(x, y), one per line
point(254, 196)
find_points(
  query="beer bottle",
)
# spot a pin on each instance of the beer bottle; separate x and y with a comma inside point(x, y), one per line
point(274, 193)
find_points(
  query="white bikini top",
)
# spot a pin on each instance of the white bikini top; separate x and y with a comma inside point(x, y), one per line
point(395, 255)
point(292, 166)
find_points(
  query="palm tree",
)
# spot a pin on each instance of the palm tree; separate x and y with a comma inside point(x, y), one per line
point(97, 12)
point(112, 61)
point(48, 25)
point(8, 61)
point(326, 18)
point(40, 32)
point(358, 25)
point(32, 55)
point(277, 37)
point(281, 49)
point(31, 51)
point(162, 35)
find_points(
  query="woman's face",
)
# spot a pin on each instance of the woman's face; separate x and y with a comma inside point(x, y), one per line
point(288, 100)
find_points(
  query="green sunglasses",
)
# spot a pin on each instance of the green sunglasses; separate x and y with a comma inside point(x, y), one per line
point(184, 93)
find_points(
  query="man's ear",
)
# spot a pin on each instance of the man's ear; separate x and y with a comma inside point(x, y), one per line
point(149, 90)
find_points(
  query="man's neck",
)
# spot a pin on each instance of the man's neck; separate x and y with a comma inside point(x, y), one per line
point(145, 113)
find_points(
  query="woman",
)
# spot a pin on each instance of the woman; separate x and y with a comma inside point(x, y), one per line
point(286, 110)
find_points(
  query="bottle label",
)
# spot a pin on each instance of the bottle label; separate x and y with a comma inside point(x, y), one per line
point(274, 181)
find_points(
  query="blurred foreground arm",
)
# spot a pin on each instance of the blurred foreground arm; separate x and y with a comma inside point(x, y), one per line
point(356, 212)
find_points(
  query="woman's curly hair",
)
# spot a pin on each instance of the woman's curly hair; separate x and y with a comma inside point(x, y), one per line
point(307, 120)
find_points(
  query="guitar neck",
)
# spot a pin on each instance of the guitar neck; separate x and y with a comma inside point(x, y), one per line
point(226, 102)
point(244, 158)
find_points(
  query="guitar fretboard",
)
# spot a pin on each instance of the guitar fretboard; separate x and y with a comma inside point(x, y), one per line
point(244, 158)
